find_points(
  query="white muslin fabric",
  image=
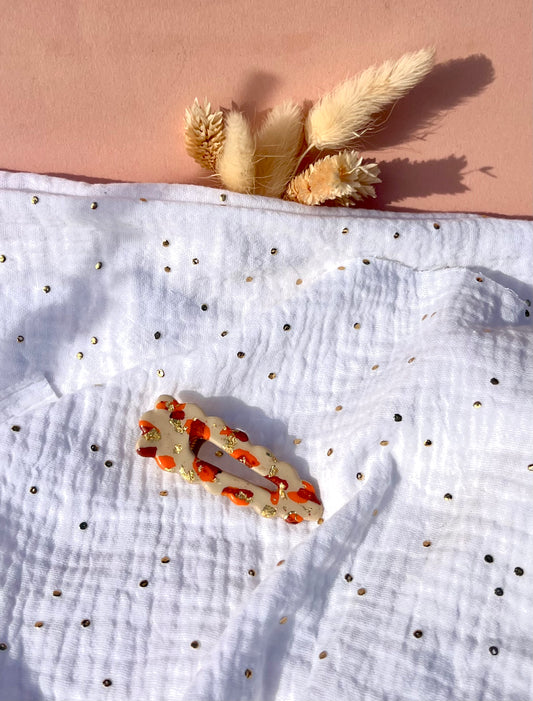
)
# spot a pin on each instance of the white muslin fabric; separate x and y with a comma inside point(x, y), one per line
point(387, 356)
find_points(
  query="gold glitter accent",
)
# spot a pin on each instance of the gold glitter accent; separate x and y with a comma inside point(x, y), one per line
point(56, 592)
point(357, 326)
point(426, 543)
point(283, 620)
point(297, 441)
point(272, 376)
point(161, 373)
point(341, 267)
point(273, 251)
point(229, 444)
point(384, 442)
point(176, 423)
point(375, 367)
point(411, 360)
point(249, 279)
point(271, 456)
point(323, 655)
point(163, 493)
point(46, 289)
point(476, 405)
point(242, 495)
point(299, 281)
point(38, 624)
point(94, 340)
point(98, 265)
point(143, 199)
point(152, 435)
point(338, 408)
point(248, 673)
point(291, 513)
point(187, 476)
point(360, 476)
point(178, 448)
point(165, 559)
point(94, 205)
point(330, 451)
point(268, 511)
point(2, 259)
point(167, 269)
point(79, 356)
point(165, 243)
point(280, 563)
point(219, 453)
point(273, 471)
point(361, 591)
point(448, 497)
point(34, 199)
point(345, 230)
point(375, 512)
point(530, 468)
point(320, 521)
point(223, 197)
point(424, 317)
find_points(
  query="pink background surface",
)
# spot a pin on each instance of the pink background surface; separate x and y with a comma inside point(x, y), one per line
point(96, 90)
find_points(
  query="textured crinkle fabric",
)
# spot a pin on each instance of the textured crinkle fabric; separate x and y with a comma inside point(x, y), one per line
point(386, 356)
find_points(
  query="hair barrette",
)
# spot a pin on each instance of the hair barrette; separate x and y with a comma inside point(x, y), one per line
point(203, 449)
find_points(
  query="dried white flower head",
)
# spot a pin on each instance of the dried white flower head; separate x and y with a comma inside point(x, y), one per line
point(204, 134)
point(342, 177)
point(235, 163)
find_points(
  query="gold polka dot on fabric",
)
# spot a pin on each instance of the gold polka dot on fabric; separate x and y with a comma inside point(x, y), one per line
point(330, 451)
point(375, 367)
point(479, 279)
point(530, 468)
point(240, 354)
point(195, 644)
point(98, 265)
point(163, 493)
point(426, 543)
point(143, 583)
point(223, 197)
point(366, 261)
point(249, 278)
point(46, 289)
point(20, 339)
point(79, 356)
point(345, 230)
point(165, 560)
point(411, 360)
point(360, 476)
point(448, 496)
point(273, 251)
point(94, 340)
point(38, 624)
point(272, 375)
point(428, 442)
point(94, 205)
point(224, 333)
point(34, 199)
point(418, 634)
point(248, 673)
point(323, 655)
point(85, 623)
point(165, 243)
point(283, 620)
point(56, 592)
point(357, 325)
point(436, 226)
point(251, 573)
point(297, 441)
point(384, 442)
point(361, 591)
point(33, 490)
point(167, 268)
point(348, 577)
point(280, 563)
point(320, 521)
point(299, 281)
point(195, 261)
point(338, 408)
point(3, 259)
point(476, 405)
point(341, 267)
point(161, 373)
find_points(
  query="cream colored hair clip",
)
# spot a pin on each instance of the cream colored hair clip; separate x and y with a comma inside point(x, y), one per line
point(204, 449)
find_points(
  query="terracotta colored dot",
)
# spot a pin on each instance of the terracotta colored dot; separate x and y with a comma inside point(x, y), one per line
point(361, 591)
point(320, 521)
point(341, 267)
point(195, 644)
point(479, 279)
point(167, 268)
point(424, 317)
point(249, 278)
point(248, 673)
point(280, 563)
point(418, 634)
point(426, 543)
point(348, 577)
point(338, 408)
point(375, 367)
point(323, 655)
point(86, 623)
point(375, 512)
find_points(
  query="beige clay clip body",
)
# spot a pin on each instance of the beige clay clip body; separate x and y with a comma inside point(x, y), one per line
point(204, 449)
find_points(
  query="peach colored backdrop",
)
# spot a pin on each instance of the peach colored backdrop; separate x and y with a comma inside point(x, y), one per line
point(96, 89)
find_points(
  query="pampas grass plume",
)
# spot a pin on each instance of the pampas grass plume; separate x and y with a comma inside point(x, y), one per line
point(235, 164)
point(341, 115)
point(277, 145)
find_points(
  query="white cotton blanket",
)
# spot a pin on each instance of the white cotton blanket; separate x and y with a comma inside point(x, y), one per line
point(403, 389)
